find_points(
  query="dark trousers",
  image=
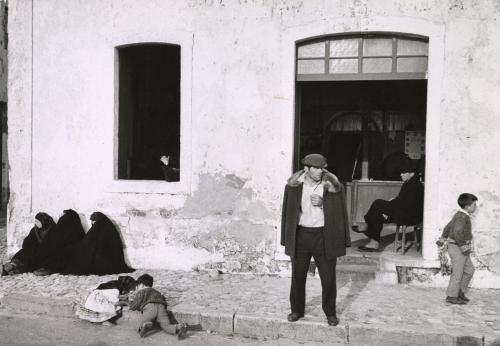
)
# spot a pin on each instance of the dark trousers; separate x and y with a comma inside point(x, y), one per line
point(311, 243)
point(375, 220)
point(153, 312)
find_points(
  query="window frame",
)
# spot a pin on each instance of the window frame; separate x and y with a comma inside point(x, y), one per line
point(182, 187)
point(121, 52)
point(360, 75)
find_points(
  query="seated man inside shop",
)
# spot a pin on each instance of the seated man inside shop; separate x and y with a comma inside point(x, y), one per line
point(171, 173)
point(405, 209)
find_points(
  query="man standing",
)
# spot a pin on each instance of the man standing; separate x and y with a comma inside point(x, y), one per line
point(406, 209)
point(314, 224)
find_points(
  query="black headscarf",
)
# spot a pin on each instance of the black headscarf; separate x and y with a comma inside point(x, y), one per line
point(69, 227)
point(46, 220)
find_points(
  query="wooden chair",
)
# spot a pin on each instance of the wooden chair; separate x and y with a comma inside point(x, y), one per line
point(400, 241)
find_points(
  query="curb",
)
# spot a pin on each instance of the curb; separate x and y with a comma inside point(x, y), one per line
point(23, 303)
point(246, 325)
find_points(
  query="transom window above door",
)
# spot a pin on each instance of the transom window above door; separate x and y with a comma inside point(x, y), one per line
point(362, 57)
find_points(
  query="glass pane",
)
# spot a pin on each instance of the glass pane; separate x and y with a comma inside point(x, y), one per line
point(343, 66)
point(310, 66)
point(412, 47)
point(377, 46)
point(377, 65)
point(313, 50)
point(342, 48)
point(412, 65)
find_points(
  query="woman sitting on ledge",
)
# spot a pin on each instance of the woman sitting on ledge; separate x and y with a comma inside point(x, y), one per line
point(69, 231)
point(37, 248)
point(100, 252)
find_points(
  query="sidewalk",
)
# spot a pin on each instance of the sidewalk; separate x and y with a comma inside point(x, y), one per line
point(257, 306)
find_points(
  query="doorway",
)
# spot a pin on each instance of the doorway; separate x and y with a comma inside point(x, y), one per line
point(361, 102)
point(374, 123)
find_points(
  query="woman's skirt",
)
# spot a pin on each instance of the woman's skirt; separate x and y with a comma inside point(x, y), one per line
point(99, 306)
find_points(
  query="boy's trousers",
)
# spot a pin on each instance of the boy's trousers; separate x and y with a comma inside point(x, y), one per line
point(461, 271)
point(158, 312)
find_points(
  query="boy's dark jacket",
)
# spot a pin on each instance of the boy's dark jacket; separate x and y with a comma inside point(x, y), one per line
point(336, 229)
point(150, 295)
point(459, 229)
point(146, 296)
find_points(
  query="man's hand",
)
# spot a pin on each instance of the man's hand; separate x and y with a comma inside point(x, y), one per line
point(165, 160)
point(332, 182)
point(316, 200)
point(466, 249)
point(329, 186)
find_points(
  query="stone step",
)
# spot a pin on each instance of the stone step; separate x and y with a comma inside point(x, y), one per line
point(358, 259)
point(346, 270)
point(357, 268)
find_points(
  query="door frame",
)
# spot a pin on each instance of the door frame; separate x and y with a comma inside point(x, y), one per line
point(411, 26)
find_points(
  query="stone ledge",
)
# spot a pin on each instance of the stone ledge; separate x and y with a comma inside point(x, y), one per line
point(273, 327)
point(257, 326)
point(55, 307)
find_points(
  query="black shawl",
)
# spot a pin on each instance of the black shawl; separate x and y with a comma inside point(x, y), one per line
point(100, 252)
point(38, 245)
point(68, 232)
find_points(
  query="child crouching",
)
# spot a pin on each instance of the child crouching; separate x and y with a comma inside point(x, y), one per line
point(153, 307)
point(104, 303)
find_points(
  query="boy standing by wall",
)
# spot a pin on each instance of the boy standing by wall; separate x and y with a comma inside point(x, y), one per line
point(459, 234)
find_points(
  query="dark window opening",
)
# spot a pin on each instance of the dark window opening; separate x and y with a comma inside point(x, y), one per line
point(149, 111)
point(376, 124)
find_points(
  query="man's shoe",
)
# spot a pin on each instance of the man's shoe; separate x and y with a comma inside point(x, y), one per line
point(182, 333)
point(332, 320)
point(355, 228)
point(462, 296)
point(367, 249)
point(359, 228)
point(455, 300)
point(294, 316)
point(145, 328)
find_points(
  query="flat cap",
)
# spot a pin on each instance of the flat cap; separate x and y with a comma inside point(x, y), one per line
point(314, 160)
point(408, 167)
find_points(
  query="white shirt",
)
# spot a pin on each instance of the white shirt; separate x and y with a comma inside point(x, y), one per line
point(465, 212)
point(311, 216)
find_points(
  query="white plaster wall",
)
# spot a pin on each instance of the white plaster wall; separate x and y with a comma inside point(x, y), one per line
point(237, 131)
point(3, 52)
